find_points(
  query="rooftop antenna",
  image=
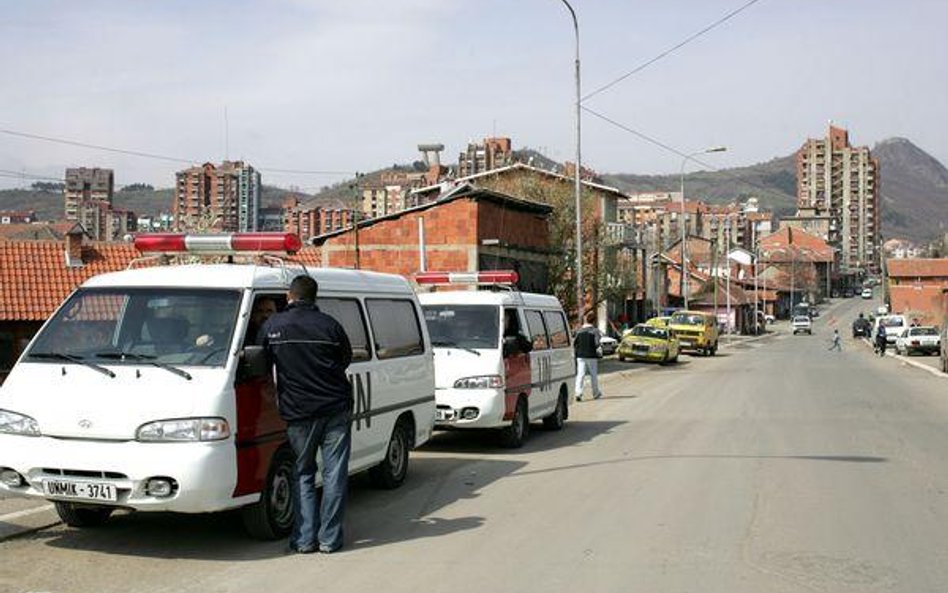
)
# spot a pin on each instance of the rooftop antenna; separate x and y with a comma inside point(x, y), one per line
point(226, 136)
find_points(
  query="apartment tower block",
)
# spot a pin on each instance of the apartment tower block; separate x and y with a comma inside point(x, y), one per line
point(838, 184)
point(221, 198)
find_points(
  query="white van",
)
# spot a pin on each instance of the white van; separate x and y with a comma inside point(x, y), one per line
point(503, 359)
point(894, 326)
point(144, 391)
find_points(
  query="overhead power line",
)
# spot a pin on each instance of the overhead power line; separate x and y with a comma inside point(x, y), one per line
point(155, 156)
point(672, 49)
point(682, 154)
point(25, 175)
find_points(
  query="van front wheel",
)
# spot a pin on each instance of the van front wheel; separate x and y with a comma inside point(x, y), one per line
point(391, 472)
point(272, 516)
point(82, 516)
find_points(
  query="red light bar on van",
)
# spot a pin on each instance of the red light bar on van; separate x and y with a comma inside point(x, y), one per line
point(488, 277)
point(221, 243)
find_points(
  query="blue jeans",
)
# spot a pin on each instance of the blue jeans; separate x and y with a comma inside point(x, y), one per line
point(588, 366)
point(320, 525)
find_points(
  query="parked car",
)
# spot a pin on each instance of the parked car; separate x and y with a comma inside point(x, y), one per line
point(802, 324)
point(696, 331)
point(862, 328)
point(608, 344)
point(646, 342)
point(659, 321)
point(867, 293)
point(923, 339)
point(848, 293)
point(770, 318)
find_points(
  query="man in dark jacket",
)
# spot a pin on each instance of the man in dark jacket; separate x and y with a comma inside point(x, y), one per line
point(311, 352)
point(588, 352)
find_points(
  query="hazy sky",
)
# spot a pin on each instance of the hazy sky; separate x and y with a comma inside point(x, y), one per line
point(355, 85)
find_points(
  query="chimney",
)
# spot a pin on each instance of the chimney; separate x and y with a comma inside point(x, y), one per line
point(74, 248)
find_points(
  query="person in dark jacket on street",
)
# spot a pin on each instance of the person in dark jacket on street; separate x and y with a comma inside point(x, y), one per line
point(311, 352)
point(588, 352)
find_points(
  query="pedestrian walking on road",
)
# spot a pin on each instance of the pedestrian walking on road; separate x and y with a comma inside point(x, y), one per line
point(588, 352)
point(880, 340)
point(837, 343)
point(311, 352)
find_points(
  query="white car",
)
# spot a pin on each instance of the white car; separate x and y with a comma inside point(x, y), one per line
point(609, 345)
point(867, 293)
point(802, 324)
point(923, 339)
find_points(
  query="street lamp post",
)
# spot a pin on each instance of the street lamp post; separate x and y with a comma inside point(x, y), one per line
point(683, 285)
point(580, 293)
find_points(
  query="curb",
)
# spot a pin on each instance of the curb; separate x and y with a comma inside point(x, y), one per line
point(911, 362)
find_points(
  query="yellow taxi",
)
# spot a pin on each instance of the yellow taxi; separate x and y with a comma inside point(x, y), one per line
point(650, 343)
point(658, 321)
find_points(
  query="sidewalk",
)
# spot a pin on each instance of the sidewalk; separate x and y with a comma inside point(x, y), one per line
point(928, 365)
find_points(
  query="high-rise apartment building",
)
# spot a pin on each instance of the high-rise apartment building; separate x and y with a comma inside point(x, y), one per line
point(492, 153)
point(838, 190)
point(222, 198)
point(87, 184)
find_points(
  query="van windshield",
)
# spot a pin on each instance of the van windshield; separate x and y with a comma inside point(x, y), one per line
point(687, 319)
point(166, 326)
point(463, 326)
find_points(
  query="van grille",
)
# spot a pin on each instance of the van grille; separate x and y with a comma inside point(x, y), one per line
point(83, 473)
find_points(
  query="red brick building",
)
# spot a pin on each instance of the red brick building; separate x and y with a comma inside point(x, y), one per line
point(468, 229)
point(917, 289)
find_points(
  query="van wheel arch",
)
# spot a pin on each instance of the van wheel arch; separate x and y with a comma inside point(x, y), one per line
point(557, 419)
point(272, 516)
point(390, 473)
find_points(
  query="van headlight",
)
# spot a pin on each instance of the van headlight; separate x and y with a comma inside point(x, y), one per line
point(13, 423)
point(480, 382)
point(183, 430)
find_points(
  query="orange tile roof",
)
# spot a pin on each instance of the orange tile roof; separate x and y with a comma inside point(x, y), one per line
point(34, 277)
point(806, 247)
point(917, 268)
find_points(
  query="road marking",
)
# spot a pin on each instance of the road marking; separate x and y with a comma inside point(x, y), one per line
point(10, 516)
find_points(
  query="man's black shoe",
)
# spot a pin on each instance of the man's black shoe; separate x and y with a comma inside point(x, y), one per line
point(294, 549)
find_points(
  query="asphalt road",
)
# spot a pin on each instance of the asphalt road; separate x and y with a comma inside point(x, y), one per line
point(776, 466)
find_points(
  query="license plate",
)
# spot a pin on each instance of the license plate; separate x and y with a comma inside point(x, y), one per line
point(685, 343)
point(444, 414)
point(80, 490)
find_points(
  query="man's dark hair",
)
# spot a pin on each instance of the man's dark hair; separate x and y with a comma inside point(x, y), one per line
point(303, 288)
point(590, 317)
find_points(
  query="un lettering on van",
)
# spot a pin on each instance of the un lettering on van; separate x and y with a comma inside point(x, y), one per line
point(362, 396)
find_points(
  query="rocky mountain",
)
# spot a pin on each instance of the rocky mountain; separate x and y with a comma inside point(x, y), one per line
point(914, 188)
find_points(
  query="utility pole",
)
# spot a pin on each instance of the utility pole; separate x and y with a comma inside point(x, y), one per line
point(356, 211)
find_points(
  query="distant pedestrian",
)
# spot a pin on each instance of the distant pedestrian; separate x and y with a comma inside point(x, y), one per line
point(837, 343)
point(881, 340)
point(588, 352)
point(310, 351)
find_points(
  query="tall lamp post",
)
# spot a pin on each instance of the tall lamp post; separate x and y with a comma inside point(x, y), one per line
point(683, 285)
point(580, 293)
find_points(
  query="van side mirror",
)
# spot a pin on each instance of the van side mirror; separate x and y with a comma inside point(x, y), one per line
point(252, 364)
